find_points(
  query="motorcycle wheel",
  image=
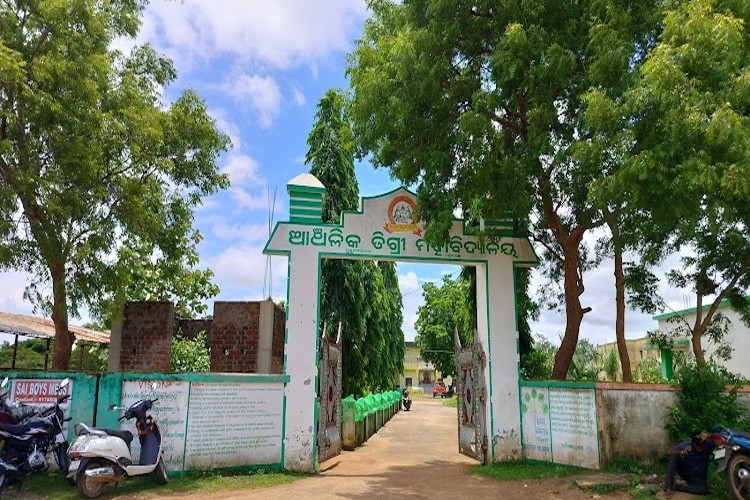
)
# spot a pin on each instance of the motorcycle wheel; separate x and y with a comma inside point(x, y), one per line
point(738, 476)
point(3, 481)
point(86, 487)
point(63, 462)
point(160, 473)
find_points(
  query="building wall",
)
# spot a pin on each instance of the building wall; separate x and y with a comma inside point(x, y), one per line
point(147, 336)
point(234, 337)
point(633, 420)
point(738, 336)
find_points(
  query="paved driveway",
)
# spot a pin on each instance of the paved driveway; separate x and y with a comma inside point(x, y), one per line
point(413, 456)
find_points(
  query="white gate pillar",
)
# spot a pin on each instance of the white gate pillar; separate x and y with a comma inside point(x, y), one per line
point(496, 295)
point(301, 362)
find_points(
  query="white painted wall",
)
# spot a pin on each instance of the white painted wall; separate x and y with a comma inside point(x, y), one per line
point(738, 337)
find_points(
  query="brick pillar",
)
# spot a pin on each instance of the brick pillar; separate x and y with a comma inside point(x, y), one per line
point(279, 336)
point(146, 339)
point(234, 337)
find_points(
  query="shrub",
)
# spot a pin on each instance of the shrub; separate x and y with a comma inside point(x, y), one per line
point(705, 402)
point(190, 355)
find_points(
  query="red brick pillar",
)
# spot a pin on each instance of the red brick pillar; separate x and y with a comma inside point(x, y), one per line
point(234, 337)
point(147, 336)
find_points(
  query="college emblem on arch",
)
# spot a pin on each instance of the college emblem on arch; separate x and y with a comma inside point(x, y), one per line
point(402, 216)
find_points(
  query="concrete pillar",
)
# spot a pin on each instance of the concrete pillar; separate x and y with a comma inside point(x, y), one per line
point(265, 337)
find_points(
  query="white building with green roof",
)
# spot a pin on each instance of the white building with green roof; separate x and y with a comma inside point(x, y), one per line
point(738, 335)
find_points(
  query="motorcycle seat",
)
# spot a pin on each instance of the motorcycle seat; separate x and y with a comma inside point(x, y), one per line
point(126, 436)
point(14, 429)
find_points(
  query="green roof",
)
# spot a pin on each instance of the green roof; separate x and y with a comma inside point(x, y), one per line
point(683, 312)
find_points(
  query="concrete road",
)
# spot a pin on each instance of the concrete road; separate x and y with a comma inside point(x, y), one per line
point(415, 455)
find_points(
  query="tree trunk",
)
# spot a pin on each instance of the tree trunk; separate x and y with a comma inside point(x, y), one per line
point(63, 337)
point(700, 360)
point(622, 347)
point(573, 311)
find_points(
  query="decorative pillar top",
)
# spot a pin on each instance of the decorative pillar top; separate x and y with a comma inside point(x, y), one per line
point(305, 199)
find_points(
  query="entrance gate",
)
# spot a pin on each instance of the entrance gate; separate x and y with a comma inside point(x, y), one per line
point(329, 397)
point(472, 399)
point(386, 228)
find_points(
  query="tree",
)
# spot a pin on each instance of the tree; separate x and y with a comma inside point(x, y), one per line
point(362, 295)
point(481, 104)
point(689, 123)
point(93, 164)
point(446, 309)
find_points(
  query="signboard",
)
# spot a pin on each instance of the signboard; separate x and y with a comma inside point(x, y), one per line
point(560, 425)
point(233, 424)
point(39, 392)
point(574, 427)
point(170, 413)
point(535, 418)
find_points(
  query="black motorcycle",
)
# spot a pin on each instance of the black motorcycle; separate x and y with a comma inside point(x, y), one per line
point(24, 446)
point(406, 399)
point(732, 455)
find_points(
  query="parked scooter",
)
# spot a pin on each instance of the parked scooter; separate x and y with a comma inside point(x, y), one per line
point(24, 446)
point(406, 399)
point(732, 455)
point(15, 413)
point(102, 456)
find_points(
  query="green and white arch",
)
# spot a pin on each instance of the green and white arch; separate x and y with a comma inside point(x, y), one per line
point(384, 229)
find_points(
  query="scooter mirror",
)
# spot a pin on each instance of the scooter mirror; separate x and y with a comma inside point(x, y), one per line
point(64, 383)
point(112, 407)
point(4, 383)
point(153, 386)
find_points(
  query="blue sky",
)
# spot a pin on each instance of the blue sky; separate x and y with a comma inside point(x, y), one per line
point(261, 66)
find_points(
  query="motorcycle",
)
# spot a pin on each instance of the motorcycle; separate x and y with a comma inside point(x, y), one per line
point(101, 456)
point(16, 413)
point(406, 399)
point(732, 455)
point(24, 446)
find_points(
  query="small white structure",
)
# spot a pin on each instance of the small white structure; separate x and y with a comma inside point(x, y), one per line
point(387, 228)
point(738, 335)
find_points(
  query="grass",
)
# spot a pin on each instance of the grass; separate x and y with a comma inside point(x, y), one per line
point(451, 402)
point(54, 486)
point(510, 471)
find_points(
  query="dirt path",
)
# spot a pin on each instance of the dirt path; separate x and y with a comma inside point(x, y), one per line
point(413, 456)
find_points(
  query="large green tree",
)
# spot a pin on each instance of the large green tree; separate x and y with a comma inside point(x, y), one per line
point(688, 122)
point(446, 309)
point(481, 105)
point(91, 157)
point(361, 295)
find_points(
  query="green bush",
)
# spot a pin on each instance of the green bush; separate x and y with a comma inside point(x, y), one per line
point(190, 355)
point(705, 402)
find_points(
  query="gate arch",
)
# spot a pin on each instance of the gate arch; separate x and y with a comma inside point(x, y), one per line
point(385, 229)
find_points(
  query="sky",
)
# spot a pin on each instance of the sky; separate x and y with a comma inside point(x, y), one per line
point(261, 67)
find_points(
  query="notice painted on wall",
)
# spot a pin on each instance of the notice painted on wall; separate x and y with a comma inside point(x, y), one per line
point(170, 413)
point(537, 439)
point(233, 424)
point(574, 428)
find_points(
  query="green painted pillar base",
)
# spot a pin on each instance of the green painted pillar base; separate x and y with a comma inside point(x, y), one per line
point(666, 364)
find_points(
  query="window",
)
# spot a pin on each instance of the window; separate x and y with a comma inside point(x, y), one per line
point(408, 382)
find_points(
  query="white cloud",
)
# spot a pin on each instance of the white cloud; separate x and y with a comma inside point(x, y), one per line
point(247, 200)
point(408, 282)
point(243, 171)
point(297, 96)
point(244, 266)
point(226, 126)
point(247, 232)
point(12, 284)
point(259, 94)
point(278, 34)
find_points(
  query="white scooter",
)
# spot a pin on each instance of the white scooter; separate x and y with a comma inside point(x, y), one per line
point(102, 456)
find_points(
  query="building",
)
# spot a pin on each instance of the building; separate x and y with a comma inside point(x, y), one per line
point(418, 373)
point(738, 335)
point(640, 350)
